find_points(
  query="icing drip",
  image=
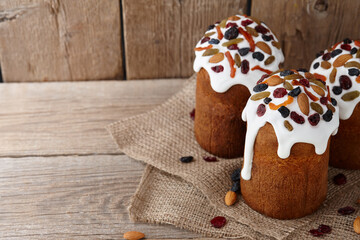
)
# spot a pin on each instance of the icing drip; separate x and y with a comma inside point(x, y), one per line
point(267, 57)
point(309, 128)
point(333, 80)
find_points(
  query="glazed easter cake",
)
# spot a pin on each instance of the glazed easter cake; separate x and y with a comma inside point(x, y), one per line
point(290, 117)
point(230, 58)
point(339, 66)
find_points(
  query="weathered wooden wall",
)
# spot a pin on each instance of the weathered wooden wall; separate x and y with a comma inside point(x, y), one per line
point(64, 40)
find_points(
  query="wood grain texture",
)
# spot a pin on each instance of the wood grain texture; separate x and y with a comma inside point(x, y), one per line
point(53, 40)
point(70, 117)
point(77, 197)
point(307, 27)
point(160, 35)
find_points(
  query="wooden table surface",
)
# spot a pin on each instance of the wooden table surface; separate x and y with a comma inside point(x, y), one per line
point(61, 175)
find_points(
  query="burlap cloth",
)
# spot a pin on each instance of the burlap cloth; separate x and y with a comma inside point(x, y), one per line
point(190, 195)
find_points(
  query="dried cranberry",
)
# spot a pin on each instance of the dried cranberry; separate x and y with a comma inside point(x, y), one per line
point(233, 47)
point(279, 92)
point(346, 210)
point(260, 87)
point(245, 66)
point(304, 82)
point(236, 186)
point(235, 175)
point(353, 50)
point(267, 100)
point(314, 119)
point(211, 27)
point(210, 159)
point(267, 38)
point(192, 114)
point(243, 51)
point(214, 41)
point(231, 33)
point(324, 228)
point(246, 22)
point(345, 82)
point(316, 65)
point(324, 100)
point(258, 55)
point(261, 29)
point(339, 179)
point(337, 90)
point(336, 52)
point(286, 73)
point(217, 68)
point(346, 47)
point(186, 159)
point(296, 91)
point(218, 222)
point(316, 233)
point(205, 39)
point(347, 41)
point(262, 78)
point(333, 101)
point(231, 24)
point(284, 111)
point(326, 56)
point(328, 115)
point(297, 118)
point(261, 110)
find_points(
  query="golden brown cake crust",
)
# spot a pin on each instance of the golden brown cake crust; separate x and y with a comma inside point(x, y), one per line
point(219, 128)
point(344, 148)
point(285, 188)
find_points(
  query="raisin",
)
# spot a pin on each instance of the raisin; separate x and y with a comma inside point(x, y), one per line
point(267, 100)
point(347, 41)
point(260, 87)
point(284, 111)
point(336, 52)
point(236, 186)
point(324, 100)
point(218, 222)
point(245, 66)
point(324, 228)
point(210, 159)
point(316, 65)
point(286, 73)
point(186, 159)
point(326, 56)
point(346, 210)
point(319, 54)
point(231, 33)
point(346, 47)
point(261, 29)
point(302, 70)
point(354, 72)
point(258, 55)
point(279, 92)
point(339, 179)
point(261, 110)
point(211, 27)
point(337, 90)
point(328, 115)
point(233, 47)
point(217, 68)
point(333, 101)
point(246, 22)
point(267, 38)
point(235, 175)
point(243, 51)
point(314, 119)
point(297, 118)
point(231, 24)
point(345, 82)
point(316, 233)
point(214, 41)
point(353, 50)
point(262, 78)
point(304, 82)
point(205, 39)
point(192, 114)
point(296, 91)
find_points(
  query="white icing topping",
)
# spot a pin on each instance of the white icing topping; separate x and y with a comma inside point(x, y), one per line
point(222, 81)
point(302, 133)
point(346, 107)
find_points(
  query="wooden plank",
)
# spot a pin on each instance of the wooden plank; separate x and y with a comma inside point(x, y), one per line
point(65, 118)
point(81, 197)
point(52, 40)
point(306, 27)
point(159, 38)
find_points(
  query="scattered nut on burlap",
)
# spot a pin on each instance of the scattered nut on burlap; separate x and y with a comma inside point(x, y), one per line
point(189, 195)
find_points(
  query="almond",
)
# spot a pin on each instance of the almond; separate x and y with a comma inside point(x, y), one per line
point(230, 198)
point(269, 60)
point(263, 46)
point(341, 60)
point(274, 80)
point(216, 58)
point(357, 225)
point(276, 44)
point(325, 65)
point(303, 102)
point(333, 75)
point(318, 90)
point(133, 235)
